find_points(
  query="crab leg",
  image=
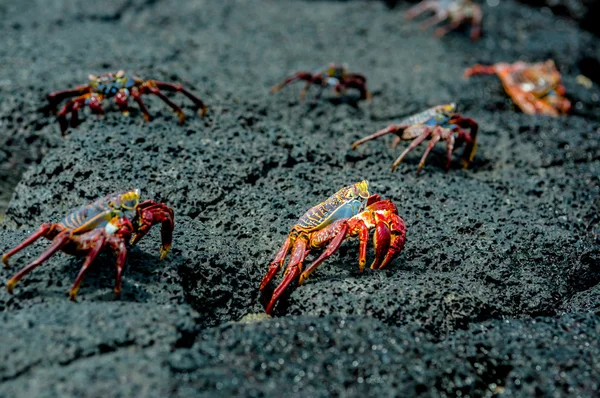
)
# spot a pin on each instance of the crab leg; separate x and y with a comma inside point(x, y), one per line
point(444, 30)
point(299, 252)
point(290, 79)
point(121, 101)
point(75, 113)
point(358, 83)
point(121, 258)
point(471, 144)
point(476, 23)
point(135, 93)
point(57, 96)
point(277, 263)
point(88, 261)
point(420, 9)
point(44, 230)
point(479, 69)
point(388, 130)
point(71, 107)
point(314, 79)
point(179, 88)
point(438, 17)
point(426, 132)
point(59, 241)
point(149, 87)
point(335, 244)
point(449, 149)
point(434, 140)
point(529, 104)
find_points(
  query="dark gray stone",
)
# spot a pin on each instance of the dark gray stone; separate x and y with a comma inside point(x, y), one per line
point(515, 237)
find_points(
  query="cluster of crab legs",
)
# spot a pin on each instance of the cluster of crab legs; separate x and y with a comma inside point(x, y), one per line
point(350, 212)
point(119, 86)
point(99, 226)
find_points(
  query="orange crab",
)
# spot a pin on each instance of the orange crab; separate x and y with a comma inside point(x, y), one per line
point(350, 212)
point(536, 89)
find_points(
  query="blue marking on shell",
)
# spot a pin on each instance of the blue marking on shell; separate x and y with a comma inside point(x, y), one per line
point(129, 83)
point(430, 122)
point(348, 210)
point(332, 81)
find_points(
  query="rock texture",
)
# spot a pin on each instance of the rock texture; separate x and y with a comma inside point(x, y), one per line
point(497, 289)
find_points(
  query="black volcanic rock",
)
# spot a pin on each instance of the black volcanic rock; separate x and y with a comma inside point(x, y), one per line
point(497, 289)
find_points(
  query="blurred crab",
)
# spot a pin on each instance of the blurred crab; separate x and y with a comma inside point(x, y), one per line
point(100, 225)
point(350, 212)
point(332, 75)
point(458, 12)
point(438, 123)
point(534, 88)
point(121, 86)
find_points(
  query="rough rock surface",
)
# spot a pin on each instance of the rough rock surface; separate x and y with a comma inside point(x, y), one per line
point(497, 289)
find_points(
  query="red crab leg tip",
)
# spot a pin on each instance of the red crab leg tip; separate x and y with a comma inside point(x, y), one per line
point(287, 280)
point(203, 111)
point(117, 293)
point(267, 278)
point(269, 309)
point(361, 266)
point(5, 260)
point(164, 250)
point(302, 279)
point(10, 285)
point(73, 295)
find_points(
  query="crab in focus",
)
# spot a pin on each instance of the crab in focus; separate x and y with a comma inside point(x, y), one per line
point(438, 123)
point(119, 86)
point(350, 212)
point(534, 88)
point(100, 225)
point(458, 12)
point(332, 75)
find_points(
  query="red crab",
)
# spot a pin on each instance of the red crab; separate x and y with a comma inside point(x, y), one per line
point(350, 212)
point(438, 123)
point(535, 88)
point(119, 86)
point(97, 226)
point(332, 75)
point(458, 12)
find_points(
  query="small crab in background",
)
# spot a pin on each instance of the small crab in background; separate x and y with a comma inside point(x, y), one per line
point(534, 88)
point(458, 12)
point(438, 123)
point(350, 212)
point(99, 226)
point(119, 86)
point(332, 75)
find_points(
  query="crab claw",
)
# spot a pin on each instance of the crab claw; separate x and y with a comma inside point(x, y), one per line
point(397, 239)
point(150, 213)
point(381, 241)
